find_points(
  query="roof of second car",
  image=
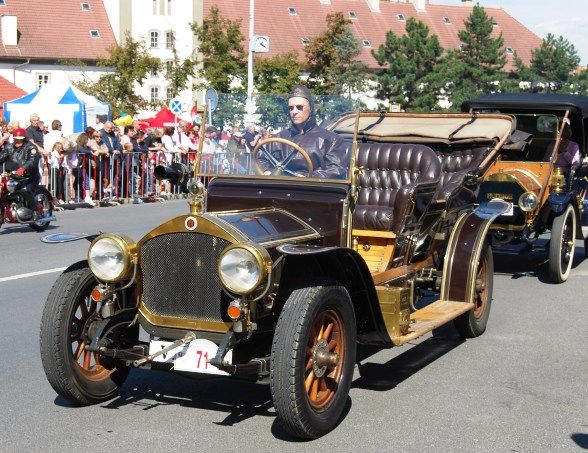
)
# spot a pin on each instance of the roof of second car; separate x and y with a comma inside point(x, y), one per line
point(530, 101)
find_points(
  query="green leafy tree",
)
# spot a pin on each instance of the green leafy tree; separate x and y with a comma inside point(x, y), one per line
point(131, 63)
point(332, 59)
point(554, 61)
point(407, 62)
point(223, 56)
point(477, 68)
point(177, 71)
point(579, 83)
point(274, 78)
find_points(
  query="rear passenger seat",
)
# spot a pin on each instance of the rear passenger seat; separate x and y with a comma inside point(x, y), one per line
point(455, 166)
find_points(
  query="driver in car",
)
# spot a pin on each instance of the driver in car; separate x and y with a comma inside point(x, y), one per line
point(21, 156)
point(327, 151)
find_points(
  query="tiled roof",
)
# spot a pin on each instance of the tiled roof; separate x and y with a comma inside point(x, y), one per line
point(285, 30)
point(9, 91)
point(50, 29)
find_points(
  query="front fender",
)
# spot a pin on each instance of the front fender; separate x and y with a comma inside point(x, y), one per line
point(465, 246)
point(304, 263)
point(559, 202)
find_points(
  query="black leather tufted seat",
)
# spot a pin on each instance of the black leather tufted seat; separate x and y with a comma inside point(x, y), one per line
point(454, 167)
point(392, 172)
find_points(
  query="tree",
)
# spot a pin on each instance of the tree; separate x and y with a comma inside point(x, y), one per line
point(554, 61)
point(274, 79)
point(178, 72)
point(477, 68)
point(223, 60)
point(332, 59)
point(130, 64)
point(407, 61)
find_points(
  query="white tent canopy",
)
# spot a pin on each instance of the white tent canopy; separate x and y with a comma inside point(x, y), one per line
point(75, 109)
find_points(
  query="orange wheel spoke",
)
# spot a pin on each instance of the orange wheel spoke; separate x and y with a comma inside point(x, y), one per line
point(332, 344)
point(314, 390)
point(79, 350)
point(323, 385)
point(320, 334)
point(87, 357)
point(308, 381)
point(308, 365)
point(96, 359)
point(327, 332)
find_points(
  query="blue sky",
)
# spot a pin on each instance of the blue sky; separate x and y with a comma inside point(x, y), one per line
point(568, 18)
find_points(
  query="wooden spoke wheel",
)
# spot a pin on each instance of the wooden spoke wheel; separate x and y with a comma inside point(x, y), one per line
point(79, 375)
point(312, 361)
point(473, 323)
point(325, 354)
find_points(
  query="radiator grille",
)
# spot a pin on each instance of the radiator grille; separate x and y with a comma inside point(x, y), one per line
point(180, 279)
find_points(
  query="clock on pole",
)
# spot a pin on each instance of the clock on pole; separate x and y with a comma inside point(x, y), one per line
point(260, 44)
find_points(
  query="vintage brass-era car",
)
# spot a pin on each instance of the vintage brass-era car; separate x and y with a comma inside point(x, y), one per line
point(279, 276)
point(545, 183)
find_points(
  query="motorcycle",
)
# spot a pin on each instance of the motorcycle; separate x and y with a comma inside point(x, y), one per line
point(13, 207)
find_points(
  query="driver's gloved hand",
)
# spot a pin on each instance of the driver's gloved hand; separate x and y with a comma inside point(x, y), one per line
point(21, 171)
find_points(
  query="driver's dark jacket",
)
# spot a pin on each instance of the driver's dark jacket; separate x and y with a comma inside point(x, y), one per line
point(26, 156)
point(326, 149)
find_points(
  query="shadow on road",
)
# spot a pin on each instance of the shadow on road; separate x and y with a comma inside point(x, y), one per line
point(581, 440)
point(149, 389)
point(534, 264)
point(386, 376)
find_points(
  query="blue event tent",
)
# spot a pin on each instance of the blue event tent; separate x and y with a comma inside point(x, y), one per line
point(75, 109)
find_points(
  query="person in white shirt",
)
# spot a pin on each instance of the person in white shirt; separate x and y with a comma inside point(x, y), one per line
point(181, 139)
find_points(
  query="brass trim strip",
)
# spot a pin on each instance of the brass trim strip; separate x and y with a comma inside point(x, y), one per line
point(177, 323)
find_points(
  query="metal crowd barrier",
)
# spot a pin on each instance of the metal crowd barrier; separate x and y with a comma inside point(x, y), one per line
point(129, 175)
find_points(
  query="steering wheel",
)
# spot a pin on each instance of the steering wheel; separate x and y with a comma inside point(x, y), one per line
point(280, 166)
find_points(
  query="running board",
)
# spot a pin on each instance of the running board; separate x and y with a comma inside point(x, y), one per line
point(431, 317)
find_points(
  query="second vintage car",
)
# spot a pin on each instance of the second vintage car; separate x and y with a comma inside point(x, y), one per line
point(541, 173)
point(275, 275)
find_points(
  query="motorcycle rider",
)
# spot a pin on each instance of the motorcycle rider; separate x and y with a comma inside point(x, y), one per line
point(22, 157)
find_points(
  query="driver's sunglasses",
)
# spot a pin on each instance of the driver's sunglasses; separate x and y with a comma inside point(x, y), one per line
point(298, 107)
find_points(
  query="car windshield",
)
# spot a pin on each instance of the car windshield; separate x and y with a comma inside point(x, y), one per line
point(279, 139)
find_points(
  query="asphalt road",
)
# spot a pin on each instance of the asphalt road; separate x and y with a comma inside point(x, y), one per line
point(520, 387)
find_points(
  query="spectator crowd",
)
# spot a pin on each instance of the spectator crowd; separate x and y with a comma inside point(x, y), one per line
point(108, 162)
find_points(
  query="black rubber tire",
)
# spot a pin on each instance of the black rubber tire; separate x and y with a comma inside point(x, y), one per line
point(561, 256)
point(288, 357)
point(63, 372)
point(42, 196)
point(473, 323)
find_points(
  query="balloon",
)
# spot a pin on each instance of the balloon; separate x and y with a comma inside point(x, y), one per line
point(126, 120)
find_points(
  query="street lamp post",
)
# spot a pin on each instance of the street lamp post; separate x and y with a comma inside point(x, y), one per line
point(250, 63)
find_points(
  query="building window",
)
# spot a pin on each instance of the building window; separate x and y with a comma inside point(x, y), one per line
point(509, 50)
point(155, 7)
point(86, 7)
point(94, 33)
point(169, 39)
point(304, 40)
point(43, 79)
point(169, 7)
point(2, 3)
point(154, 93)
point(292, 11)
point(366, 43)
point(494, 23)
point(169, 94)
point(154, 39)
point(446, 20)
point(400, 17)
point(352, 15)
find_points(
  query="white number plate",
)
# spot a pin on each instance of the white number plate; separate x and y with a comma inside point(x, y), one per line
point(192, 357)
